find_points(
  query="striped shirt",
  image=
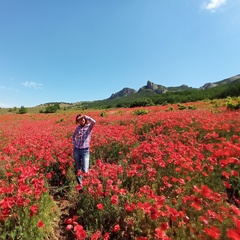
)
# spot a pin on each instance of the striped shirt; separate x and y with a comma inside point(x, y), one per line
point(82, 135)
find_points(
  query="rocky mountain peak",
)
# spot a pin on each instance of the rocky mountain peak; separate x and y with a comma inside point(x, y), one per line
point(123, 93)
point(151, 85)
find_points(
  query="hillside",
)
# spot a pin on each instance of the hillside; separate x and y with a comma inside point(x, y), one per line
point(155, 94)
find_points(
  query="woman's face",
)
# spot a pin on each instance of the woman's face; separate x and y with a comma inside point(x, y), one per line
point(81, 121)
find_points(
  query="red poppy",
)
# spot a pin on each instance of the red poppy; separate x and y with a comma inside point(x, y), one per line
point(213, 232)
point(80, 232)
point(100, 206)
point(233, 234)
point(97, 235)
point(116, 228)
point(33, 210)
point(40, 224)
point(114, 199)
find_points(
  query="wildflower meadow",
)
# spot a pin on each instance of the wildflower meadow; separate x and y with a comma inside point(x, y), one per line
point(159, 172)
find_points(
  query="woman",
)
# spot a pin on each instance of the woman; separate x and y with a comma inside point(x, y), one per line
point(81, 140)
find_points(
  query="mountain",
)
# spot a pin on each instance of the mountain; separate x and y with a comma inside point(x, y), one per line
point(219, 83)
point(152, 88)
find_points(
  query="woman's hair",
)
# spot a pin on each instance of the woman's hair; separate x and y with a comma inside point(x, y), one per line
point(77, 118)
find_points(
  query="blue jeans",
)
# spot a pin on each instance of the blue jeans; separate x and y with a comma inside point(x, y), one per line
point(81, 157)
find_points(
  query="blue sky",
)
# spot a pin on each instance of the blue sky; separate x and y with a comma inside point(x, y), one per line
point(85, 50)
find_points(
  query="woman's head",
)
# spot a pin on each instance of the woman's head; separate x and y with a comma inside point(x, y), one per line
point(80, 119)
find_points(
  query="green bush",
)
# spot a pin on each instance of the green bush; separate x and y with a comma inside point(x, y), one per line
point(233, 104)
point(22, 110)
point(51, 108)
point(141, 112)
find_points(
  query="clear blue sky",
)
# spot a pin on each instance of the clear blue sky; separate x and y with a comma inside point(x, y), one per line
point(85, 50)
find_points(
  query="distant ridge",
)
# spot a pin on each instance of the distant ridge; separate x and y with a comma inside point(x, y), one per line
point(160, 89)
point(149, 88)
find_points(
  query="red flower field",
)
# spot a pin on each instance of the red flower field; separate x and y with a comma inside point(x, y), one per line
point(154, 173)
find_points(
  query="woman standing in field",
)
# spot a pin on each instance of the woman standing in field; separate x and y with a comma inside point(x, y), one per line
point(81, 140)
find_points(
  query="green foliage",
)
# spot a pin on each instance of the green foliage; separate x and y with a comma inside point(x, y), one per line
point(12, 109)
point(169, 109)
point(181, 107)
point(110, 152)
point(141, 102)
point(100, 220)
point(51, 108)
point(61, 120)
point(23, 225)
point(191, 107)
point(233, 104)
point(60, 180)
point(141, 112)
point(22, 110)
point(103, 114)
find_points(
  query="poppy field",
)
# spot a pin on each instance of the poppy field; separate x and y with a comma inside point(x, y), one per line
point(159, 172)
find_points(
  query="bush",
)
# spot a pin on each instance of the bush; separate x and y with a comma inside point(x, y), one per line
point(103, 114)
point(234, 105)
point(181, 107)
point(141, 112)
point(51, 109)
point(22, 110)
point(142, 102)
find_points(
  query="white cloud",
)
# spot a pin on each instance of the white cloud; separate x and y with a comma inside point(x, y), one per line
point(214, 4)
point(32, 85)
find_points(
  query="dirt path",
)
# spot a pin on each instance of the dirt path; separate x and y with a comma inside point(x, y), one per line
point(67, 210)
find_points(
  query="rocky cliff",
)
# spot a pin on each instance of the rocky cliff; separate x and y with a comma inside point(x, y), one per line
point(154, 87)
point(123, 93)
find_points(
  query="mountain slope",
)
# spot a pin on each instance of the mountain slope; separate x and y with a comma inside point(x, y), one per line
point(222, 82)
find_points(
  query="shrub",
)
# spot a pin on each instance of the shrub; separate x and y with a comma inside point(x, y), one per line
point(103, 114)
point(22, 110)
point(233, 105)
point(141, 112)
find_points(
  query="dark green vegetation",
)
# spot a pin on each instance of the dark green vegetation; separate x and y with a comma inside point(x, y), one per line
point(51, 108)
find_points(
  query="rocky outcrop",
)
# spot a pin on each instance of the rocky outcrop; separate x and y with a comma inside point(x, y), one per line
point(151, 85)
point(231, 79)
point(154, 87)
point(208, 85)
point(123, 93)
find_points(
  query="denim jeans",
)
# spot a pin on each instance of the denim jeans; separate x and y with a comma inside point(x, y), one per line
point(81, 158)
